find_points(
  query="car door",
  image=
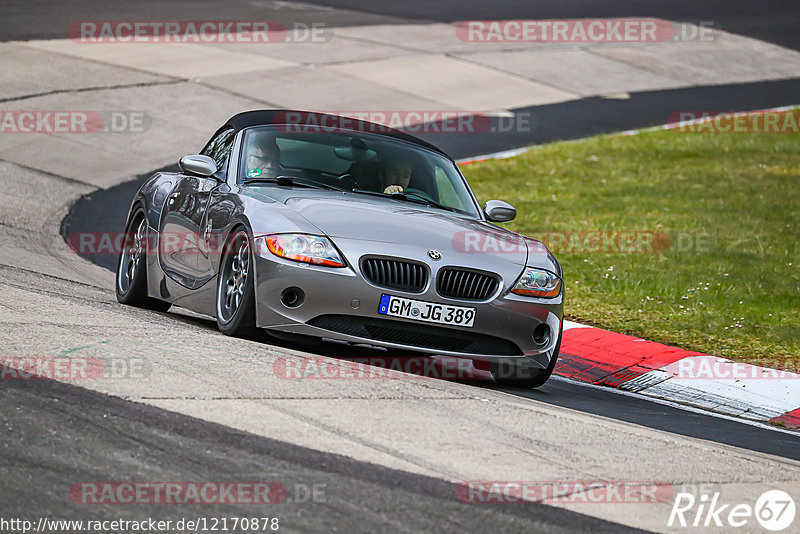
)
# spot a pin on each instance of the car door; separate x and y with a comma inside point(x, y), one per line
point(183, 248)
point(179, 228)
point(211, 220)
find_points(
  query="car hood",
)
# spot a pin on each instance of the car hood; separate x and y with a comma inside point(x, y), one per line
point(407, 227)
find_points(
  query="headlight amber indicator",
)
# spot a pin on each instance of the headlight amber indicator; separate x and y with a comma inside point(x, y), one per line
point(537, 283)
point(313, 249)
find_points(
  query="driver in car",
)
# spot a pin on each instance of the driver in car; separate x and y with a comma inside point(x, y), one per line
point(396, 177)
point(263, 157)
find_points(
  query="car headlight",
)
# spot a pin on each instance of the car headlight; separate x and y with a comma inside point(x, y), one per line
point(537, 283)
point(313, 249)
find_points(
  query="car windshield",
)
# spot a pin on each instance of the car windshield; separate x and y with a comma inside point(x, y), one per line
point(363, 163)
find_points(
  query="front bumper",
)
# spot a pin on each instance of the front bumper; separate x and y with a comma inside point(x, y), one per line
point(340, 305)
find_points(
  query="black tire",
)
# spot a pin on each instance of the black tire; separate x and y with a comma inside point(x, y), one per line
point(540, 379)
point(236, 302)
point(131, 279)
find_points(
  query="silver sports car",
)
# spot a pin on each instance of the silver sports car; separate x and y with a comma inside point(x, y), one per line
point(306, 224)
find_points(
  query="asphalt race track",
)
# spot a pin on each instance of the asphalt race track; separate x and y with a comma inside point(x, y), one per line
point(773, 21)
point(208, 410)
point(92, 214)
point(67, 433)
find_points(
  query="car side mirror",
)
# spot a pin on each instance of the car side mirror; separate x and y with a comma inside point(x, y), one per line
point(499, 211)
point(198, 165)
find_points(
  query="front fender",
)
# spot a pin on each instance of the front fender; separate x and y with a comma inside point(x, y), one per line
point(152, 195)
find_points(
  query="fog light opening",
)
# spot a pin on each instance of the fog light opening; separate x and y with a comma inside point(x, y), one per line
point(541, 335)
point(292, 297)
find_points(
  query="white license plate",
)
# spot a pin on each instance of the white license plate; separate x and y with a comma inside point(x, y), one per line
point(426, 311)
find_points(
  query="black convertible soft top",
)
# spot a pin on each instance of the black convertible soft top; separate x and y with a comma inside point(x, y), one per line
point(310, 118)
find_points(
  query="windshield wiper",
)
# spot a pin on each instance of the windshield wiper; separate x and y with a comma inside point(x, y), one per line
point(416, 199)
point(419, 199)
point(291, 180)
point(370, 193)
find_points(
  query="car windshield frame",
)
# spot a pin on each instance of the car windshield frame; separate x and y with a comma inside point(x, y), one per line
point(468, 204)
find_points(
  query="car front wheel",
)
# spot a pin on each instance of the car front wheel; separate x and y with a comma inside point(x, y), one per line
point(131, 284)
point(236, 314)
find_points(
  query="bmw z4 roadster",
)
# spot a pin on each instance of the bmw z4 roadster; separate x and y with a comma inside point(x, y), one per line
point(313, 225)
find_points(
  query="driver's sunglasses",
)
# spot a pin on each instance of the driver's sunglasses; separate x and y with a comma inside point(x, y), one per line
point(261, 161)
